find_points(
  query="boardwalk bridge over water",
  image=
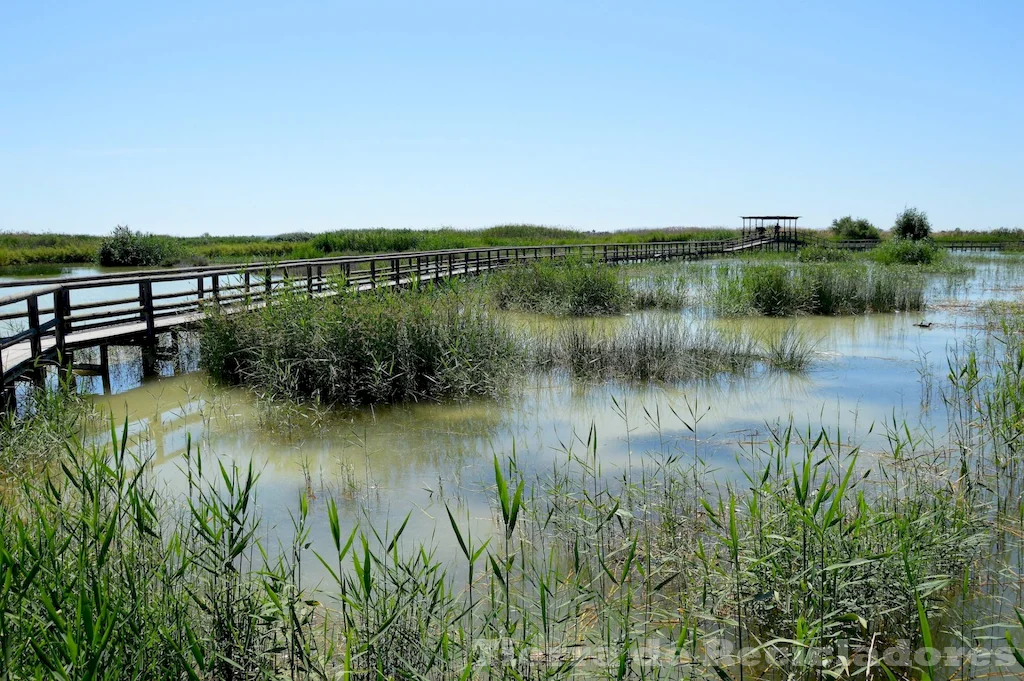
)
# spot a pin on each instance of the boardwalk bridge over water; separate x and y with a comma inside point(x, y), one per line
point(43, 322)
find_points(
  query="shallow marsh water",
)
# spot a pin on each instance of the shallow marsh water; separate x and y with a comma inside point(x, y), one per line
point(383, 463)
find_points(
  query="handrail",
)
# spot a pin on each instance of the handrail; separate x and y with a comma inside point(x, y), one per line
point(190, 272)
point(24, 295)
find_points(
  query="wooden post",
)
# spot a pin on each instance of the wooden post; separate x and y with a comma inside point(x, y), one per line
point(396, 265)
point(267, 284)
point(36, 341)
point(200, 288)
point(60, 315)
point(148, 313)
point(373, 274)
point(309, 278)
point(215, 285)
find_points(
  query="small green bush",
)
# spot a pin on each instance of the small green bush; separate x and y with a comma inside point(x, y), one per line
point(912, 224)
point(907, 252)
point(855, 229)
point(126, 248)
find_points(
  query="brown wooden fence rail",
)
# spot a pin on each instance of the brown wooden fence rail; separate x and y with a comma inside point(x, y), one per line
point(48, 323)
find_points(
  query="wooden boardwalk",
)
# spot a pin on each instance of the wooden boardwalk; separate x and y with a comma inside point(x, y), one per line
point(51, 319)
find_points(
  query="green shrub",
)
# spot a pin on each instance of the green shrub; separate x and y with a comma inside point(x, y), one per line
point(571, 287)
point(855, 229)
point(907, 252)
point(912, 224)
point(125, 248)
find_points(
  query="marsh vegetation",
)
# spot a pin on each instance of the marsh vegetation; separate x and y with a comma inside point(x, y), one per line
point(633, 545)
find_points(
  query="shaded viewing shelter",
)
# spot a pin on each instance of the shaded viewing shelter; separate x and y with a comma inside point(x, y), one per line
point(769, 225)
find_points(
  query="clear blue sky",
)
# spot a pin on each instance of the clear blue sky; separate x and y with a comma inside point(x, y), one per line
point(262, 118)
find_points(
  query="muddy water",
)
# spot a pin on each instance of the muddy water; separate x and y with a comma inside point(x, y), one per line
point(386, 462)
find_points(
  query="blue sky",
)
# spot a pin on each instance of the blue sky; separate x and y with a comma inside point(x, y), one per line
point(260, 118)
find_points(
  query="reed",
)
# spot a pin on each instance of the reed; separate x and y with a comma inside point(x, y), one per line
point(351, 348)
point(572, 287)
point(643, 349)
point(817, 288)
point(823, 254)
point(37, 431)
point(815, 557)
point(790, 350)
point(655, 571)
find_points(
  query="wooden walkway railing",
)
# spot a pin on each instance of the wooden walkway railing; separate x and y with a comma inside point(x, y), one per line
point(51, 321)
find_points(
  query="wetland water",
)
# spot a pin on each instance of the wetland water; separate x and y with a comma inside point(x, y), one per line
point(867, 371)
point(651, 511)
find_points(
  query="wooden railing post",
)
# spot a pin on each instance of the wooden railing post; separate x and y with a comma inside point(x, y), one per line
point(268, 283)
point(309, 278)
point(200, 285)
point(148, 313)
point(215, 285)
point(373, 274)
point(396, 265)
point(36, 341)
point(60, 316)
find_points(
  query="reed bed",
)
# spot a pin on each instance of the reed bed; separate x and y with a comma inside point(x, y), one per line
point(803, 568)
point(39, 428)
point(350, 348)
point(662, 350)
point(817, 288)
point(572, 287)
